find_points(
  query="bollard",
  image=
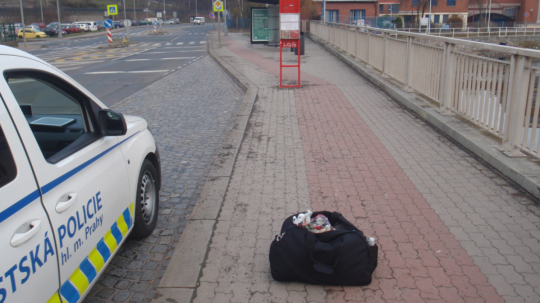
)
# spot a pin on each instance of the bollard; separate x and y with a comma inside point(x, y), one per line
point(155, 29)
point(109, 36)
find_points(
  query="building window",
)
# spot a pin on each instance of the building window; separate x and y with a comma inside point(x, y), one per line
point(450, 2)
point(359, 14)
point(333, 15)
point(416, 3)
point(434, 2)
point(393, 8)
point(436, 19)
point(381, 8)
point(445, 18)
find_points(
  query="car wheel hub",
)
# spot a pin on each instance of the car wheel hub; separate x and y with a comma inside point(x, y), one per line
point(148, 197)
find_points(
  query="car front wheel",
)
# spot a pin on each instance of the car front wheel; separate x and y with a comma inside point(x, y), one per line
point(147, 201)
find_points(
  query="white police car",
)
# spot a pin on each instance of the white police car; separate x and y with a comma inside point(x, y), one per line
point(75, 180)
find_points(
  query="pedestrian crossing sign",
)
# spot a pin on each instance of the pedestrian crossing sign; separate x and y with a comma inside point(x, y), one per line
point(112, 9)
point(218, 6)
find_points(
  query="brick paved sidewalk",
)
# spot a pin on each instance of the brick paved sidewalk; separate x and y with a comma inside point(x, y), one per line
point(450, 229)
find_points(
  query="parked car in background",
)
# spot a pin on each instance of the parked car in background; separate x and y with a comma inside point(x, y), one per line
point(34, 27)
point(39, 24)
point(134, 23)
point(32, 33)
point(53, 24)
point(144, 22)
point(71, 29)
point(118, 24)
point(176, 20)
point(82, 26)
point(170, 21)
point(100, 25)
point(50, 31)
point(92, 25)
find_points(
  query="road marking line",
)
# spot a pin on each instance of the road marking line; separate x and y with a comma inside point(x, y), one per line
point(110, 55)
point(79, 54)
point(202, 42)
point(111, 51)
point(191, 42)
point(179, 43)
point(77, 58)
point(94, 57)
point(129, 72)
point(72, 68)
point(60, 60)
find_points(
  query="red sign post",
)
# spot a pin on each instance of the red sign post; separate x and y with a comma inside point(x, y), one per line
point(289, 25)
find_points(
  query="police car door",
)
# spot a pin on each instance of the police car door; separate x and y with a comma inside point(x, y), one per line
point(28, 267)
point(82, 174)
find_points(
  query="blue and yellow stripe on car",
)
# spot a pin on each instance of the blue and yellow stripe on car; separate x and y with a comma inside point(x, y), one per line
point(79, 281)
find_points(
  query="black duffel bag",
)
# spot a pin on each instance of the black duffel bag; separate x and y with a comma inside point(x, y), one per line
point(339, 257)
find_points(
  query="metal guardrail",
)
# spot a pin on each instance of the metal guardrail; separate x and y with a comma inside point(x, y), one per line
point(500, 96)
point(7, 32)
point(476, 32)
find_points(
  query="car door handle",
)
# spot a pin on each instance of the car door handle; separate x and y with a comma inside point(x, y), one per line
point(19, 239)
point(62, 206)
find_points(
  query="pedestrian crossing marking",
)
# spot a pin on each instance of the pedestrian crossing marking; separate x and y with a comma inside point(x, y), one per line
point(203, 42)
point(111, 51)
point(60, 60)
point(179, 43)
point(77, 58)
point(80, 54)
point(191, 42)
point(110, 55)
point(94, 57)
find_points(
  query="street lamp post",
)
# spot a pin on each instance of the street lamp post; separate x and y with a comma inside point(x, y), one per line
point(41, 5)
point(164, 10)
point(125, 20)
point(59, 24)
point(134, 12)
point(23, 25)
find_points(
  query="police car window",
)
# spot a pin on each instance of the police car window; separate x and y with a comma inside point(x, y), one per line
point(56, 118)
point(8, 169)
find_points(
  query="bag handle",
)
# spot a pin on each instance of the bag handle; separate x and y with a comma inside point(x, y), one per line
point(311, 242)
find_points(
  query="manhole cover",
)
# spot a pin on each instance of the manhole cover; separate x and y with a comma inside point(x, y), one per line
point(129, 80)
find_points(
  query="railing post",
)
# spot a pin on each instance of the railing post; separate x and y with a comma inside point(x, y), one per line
point(515, 105)
point(385, 56)
point(368, 48)
point(447, 80)
point(499, 31)
point(453, 32)
point(356, 43)
point(467, 32)
point(409, 65)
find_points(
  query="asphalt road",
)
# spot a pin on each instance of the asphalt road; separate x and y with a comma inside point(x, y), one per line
point(113, 74)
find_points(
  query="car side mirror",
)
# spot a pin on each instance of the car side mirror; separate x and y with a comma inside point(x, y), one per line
point(112, 123)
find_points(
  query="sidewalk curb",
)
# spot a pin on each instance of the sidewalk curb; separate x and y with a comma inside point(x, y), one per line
point(523, 171)
point(181, 277)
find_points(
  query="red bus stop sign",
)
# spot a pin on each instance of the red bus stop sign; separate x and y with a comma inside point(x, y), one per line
point(289, 33)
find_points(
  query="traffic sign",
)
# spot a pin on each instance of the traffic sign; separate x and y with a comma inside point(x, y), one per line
point(218, 6)
point(212, 15)
point(108, 23)
point(112, 9)
point(154, 22)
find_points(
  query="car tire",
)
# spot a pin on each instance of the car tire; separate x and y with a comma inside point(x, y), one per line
point(146, 201)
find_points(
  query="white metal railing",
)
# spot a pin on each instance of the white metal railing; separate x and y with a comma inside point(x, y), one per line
point(499, 96)
point(471, 32)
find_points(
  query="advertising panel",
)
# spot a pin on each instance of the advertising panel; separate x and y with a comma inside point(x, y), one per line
point(259, 25)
